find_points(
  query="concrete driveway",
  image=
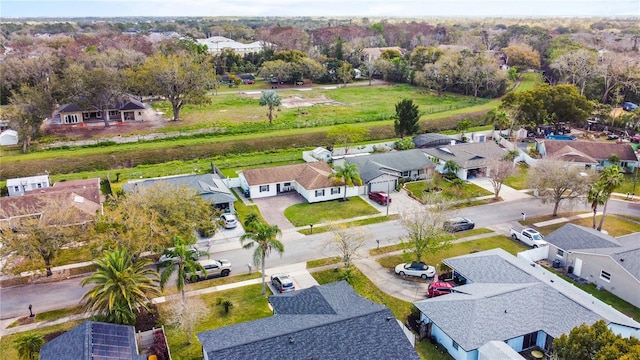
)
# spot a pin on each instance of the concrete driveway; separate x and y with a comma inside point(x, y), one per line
point(400, 200)
point(272, 208)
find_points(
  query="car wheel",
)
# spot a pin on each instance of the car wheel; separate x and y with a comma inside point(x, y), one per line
point(514, 237)
point(225, 272)
point(535, 246)
point(380, 202)
point(401, 273)
point(424, 276)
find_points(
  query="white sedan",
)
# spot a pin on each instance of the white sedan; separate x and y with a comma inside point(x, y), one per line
point(418, 269)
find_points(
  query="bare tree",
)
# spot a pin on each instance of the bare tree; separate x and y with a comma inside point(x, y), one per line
point(424, 225)
point(185, 315)
point(499, 171)
point(347, 241)
point(555, 182)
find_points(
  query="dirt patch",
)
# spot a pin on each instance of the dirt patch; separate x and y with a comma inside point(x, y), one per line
point(297, 101)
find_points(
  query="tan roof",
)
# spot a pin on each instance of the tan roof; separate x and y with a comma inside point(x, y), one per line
point(581, 151)
point(310, 175)
point(83, 195)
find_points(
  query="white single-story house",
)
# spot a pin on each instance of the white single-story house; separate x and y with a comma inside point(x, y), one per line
point(217, 44)
point(9, 137)
point(20, 186)
point(382, 171)
point(321, 154)
point(474, 159)
point(311, 180)
point(612, 264)
point(210, 187)
point(512, 300)
point(125, 109)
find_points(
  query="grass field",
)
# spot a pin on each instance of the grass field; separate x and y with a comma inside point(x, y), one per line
point(449, 191)
point(304, 214)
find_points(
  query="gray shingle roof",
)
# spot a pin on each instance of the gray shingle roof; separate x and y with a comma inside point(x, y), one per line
point(629, 260)
point(574, 237)
point(431, 140)
point(469, 155)
point(345, 326)
point(375, 165)
point(507, 297)
point(209, 186)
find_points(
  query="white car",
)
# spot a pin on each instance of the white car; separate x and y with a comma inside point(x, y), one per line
point(195, 255)
point(282, 283)
point(418, 269)
point(229, 221)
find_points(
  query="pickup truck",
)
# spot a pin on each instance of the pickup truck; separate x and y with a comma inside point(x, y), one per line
point(528, 236)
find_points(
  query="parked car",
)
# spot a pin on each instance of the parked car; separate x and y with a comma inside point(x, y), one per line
point(193, 252)
point(612, 137)
point(249, 82)
point(418, 269)
point(438, 288)
point(635, 138)
point(380, 197)
point(282, 283)
point(629, 106)
point(528, 236)
point(299, 82)
point(229, 221)
point(213, 268)
point(458, 224)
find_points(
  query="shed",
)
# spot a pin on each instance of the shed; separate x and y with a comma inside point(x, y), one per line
point(8, 137)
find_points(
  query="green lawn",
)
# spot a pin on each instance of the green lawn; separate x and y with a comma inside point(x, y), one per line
point(7, 343)
point(519, 181)
point(368, 221)
point(449, 191)
point(613, 225)
point(403, 245)
point(304, 214)
point(462, 248)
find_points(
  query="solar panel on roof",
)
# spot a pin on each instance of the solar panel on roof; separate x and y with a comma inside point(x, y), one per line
point(110, 342)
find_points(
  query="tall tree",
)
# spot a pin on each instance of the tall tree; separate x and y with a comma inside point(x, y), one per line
point(556, 182)
point(405, 122)
point(462, 126)
point(595, 197)
point(424, 227)
point(610, 178)
point(347, 174)
point(180, 78)
point(265, 239)
point(33, 105)
point(181, 262)
point(271, 99)
point(29, 345)
point(451, 167)
point(597, 341)
point(347, 241)
point(121, 287)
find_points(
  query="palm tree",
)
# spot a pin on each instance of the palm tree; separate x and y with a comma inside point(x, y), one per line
point(611, 178)
point(451, 167)
point(348, 174)
point(270, 99)
point(595, 197)
point(463, 126)
point(180, 260)
point(29, 345)
point(250, 220)
point(122, 287)
point(265, 237)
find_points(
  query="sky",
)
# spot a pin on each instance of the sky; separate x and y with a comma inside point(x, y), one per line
point(335, 8)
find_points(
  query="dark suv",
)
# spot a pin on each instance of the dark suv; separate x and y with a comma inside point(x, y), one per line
point(380, 197)
point(458, 224)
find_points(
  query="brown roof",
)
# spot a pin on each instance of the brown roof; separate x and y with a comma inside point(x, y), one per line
point(587, 151)
point(83, 195)
point(309, 175)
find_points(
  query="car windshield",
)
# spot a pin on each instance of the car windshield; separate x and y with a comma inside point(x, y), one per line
point(536, 236)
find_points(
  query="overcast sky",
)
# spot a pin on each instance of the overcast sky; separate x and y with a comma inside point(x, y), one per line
point(349, 8)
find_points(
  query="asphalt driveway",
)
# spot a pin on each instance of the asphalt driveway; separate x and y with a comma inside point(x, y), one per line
point(272, 208)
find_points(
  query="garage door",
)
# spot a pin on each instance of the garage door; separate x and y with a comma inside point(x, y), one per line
point(382, 186)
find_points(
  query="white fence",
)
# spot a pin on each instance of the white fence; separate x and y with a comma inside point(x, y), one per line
point(535, 254)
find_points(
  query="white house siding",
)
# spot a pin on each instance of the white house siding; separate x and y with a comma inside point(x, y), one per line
point(131, 115)
point(445, 341)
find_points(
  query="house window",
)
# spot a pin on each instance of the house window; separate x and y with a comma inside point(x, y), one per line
point(86, 115)
point(71, 119)
point(16, 188)
point(455, 345)
point(605, 276)
point(319, 193)
point(335, 191)
point(113, 113)
point(405, 173)
point(264, 188)
point(560, 253)
point(530, 340)
point(39, 185)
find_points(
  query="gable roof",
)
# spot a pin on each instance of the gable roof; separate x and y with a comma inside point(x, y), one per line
point(209, 186)
point(508, 297)
point(374, 165)
point(83, 195)
point(322, 322)
point(310, 175)
point(126, 102)
point(580, 151)
point(469, 155)
point(574, 237)
point(93, 340)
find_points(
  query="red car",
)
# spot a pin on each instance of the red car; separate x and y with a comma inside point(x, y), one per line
point(380, 197)
point(438, 288)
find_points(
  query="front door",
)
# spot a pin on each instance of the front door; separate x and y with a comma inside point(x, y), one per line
point(577, 268)
point(277, 188)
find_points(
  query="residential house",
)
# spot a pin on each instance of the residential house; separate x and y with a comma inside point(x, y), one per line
point(430, 140)
point(512, 300)
point(311, 180)
point(217, 44)
point(372, 54)
point(322, 322)
point(610, 263)
point(20, 186)
point(101, 341)
point(125, 109)
point(382, 171)
point(588, 154)
point(474, 159)
point(82, 195)
point(210, 187)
